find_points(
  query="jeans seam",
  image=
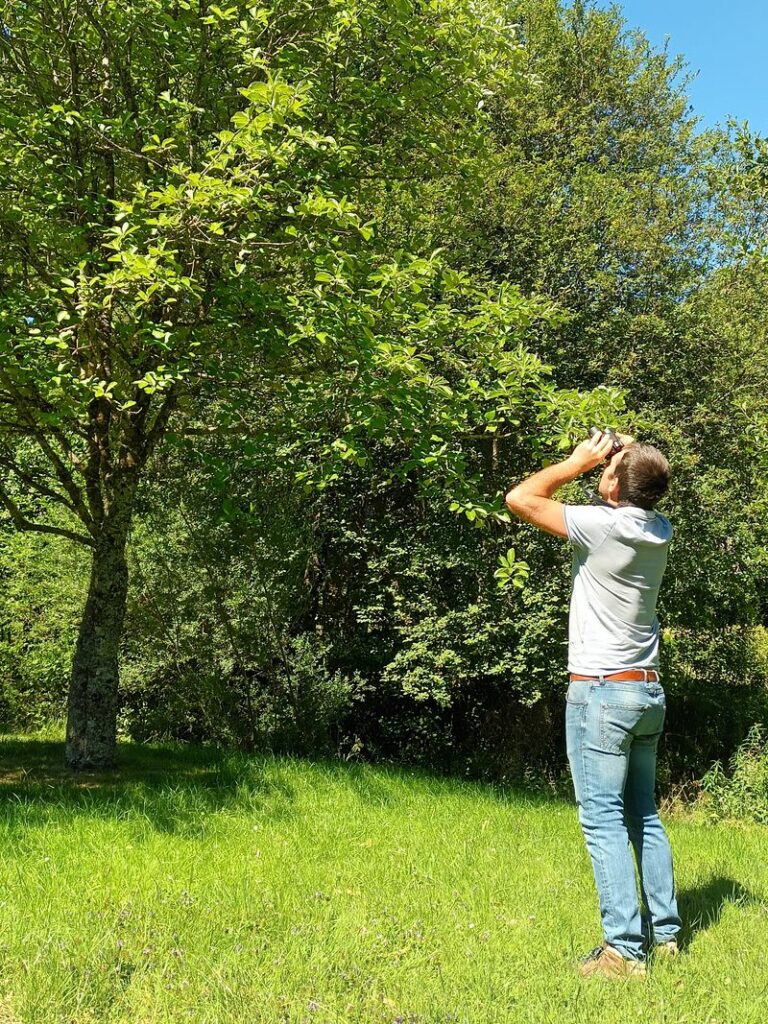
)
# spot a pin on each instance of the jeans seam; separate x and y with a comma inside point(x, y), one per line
point(605, 886)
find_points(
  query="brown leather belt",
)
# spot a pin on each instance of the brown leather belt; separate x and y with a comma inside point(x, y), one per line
point(632, 675)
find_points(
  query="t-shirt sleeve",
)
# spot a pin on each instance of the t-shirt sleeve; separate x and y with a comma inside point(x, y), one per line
point(587, 525)
point(666, 525)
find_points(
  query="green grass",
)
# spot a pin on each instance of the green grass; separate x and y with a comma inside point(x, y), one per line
point(206, 887)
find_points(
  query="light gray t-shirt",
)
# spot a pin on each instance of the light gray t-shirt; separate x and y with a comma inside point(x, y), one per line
point(619, 557)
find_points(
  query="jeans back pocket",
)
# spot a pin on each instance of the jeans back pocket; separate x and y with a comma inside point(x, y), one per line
point(623, 722)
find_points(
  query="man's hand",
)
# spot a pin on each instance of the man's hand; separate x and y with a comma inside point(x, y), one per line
point(592, 452)
point(626, 439)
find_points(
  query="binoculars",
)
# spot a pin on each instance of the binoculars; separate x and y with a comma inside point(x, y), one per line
point(617, 445)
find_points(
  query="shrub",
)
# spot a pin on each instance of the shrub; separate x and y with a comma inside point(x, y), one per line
point(716, 689)
point(42, 588)
point(743, 791)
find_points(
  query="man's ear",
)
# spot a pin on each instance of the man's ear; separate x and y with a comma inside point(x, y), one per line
point(614, 490)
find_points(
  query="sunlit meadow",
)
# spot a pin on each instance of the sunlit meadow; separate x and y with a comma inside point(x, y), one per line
point(213, 888)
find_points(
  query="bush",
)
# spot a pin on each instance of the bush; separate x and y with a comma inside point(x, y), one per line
point(42, 590)
point(743, 791)
point(717, 686)
point(210, 652)
point(292, 707)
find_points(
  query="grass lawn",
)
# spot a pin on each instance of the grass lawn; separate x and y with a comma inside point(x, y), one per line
point(204, 887)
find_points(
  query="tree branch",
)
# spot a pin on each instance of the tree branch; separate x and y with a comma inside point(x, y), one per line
point(67, 481)
point(29, 480)
point(156, 431)
point(21, 523)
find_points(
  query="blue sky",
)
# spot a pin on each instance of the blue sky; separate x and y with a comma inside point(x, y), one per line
point(725, 41)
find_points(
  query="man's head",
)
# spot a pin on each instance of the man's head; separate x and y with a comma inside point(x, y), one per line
point(637, 475)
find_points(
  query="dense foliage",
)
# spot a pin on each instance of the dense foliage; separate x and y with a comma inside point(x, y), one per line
point(289, 297)
point(742, 792)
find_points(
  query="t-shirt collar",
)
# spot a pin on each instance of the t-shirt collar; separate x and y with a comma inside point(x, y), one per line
point(639, 513)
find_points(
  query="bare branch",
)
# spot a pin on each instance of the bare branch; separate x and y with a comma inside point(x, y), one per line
point(30, 481)
point(66, 479)
point(118, 148)
point(156, 431)
point(21, 523)
point(60, 468)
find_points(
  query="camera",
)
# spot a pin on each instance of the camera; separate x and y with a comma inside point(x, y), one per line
point(617, 445)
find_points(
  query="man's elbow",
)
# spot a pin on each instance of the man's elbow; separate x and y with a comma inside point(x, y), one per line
point(515, 501)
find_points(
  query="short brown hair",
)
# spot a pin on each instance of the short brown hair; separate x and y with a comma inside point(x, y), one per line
point(643, 475)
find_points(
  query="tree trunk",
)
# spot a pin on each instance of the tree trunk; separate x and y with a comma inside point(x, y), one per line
point(93, 691)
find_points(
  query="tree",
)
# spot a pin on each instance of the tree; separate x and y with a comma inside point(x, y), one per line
point(175, 223)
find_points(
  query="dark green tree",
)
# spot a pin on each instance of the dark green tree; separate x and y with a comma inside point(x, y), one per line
point(176, 229)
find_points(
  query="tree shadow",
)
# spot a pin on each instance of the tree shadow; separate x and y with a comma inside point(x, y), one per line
point(173, 789)
point(387, 783)
point(177, 788)
point(702, 906)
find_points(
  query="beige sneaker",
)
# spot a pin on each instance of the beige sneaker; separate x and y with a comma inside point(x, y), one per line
point(667, 949)
point(606, 962)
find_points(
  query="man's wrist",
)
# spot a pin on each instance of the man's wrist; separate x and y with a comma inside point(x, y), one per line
point(575, 467)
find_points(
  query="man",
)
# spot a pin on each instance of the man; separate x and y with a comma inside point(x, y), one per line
point(615, 704)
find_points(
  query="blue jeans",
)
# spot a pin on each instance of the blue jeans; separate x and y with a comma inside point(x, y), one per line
point(612, 733)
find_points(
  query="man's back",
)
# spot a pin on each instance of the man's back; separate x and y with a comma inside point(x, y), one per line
point(619, 557)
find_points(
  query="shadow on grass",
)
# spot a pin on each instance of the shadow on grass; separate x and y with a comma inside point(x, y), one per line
point(174, 789)
point(389, 784)
point(701, 907)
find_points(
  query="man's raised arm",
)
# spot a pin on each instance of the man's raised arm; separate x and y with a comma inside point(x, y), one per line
point(531, 499)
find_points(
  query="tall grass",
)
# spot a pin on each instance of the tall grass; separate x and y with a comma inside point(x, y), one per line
point(213, 888)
